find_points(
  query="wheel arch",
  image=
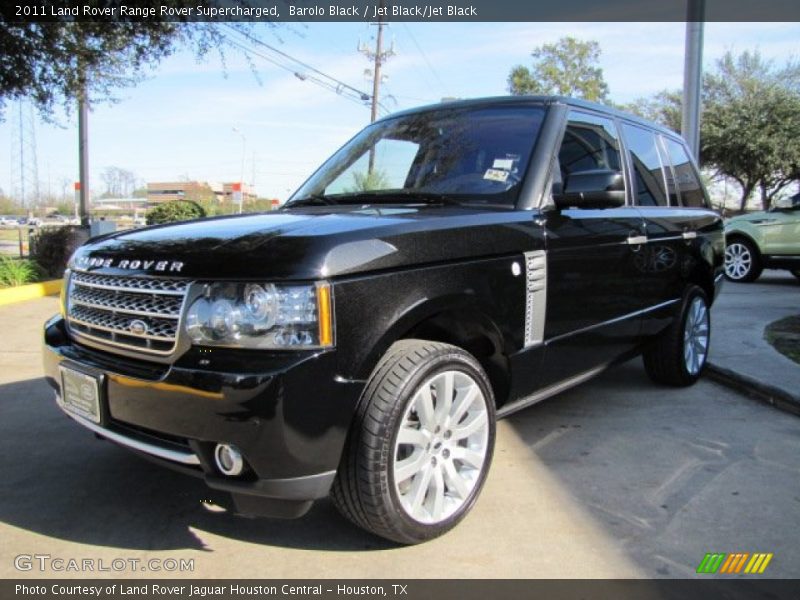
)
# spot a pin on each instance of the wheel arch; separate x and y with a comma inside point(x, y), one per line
point(459, 321)
point(741, 234)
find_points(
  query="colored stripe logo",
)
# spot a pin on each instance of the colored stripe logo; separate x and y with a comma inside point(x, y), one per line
point(735, 563)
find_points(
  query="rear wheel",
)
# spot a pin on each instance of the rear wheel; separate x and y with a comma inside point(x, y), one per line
point(679, 355)
point(420, 448)
point(742, 263)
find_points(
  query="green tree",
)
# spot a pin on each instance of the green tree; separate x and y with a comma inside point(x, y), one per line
point(664, 107)
point(566, 68)
point(750, 130)
point(368, 181)
point(750, 126)
point(175, 210)
point(48, 62)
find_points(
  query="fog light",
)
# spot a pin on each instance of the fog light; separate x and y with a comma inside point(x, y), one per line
point(228, 459)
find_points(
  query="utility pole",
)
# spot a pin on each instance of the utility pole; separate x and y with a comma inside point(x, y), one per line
point(21, 155)
point(378, 57)
point(24, 165)
point(376, 73)
point(693, 75)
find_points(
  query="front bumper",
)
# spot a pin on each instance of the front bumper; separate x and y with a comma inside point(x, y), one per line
point(288, 413)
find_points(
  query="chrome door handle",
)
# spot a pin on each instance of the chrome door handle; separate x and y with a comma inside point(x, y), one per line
point(689, 235)
point(636, 240)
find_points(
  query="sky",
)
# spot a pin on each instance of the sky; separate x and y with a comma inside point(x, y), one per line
point(198, 120)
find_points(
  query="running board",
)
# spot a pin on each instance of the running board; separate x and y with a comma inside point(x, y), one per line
point(549, 391)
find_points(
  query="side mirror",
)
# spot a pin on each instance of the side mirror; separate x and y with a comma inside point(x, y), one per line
point(598, 188)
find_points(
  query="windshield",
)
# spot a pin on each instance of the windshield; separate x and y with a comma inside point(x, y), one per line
point(460, 154)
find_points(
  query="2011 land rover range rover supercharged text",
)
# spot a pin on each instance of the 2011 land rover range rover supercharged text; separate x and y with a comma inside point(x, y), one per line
point(447, 266)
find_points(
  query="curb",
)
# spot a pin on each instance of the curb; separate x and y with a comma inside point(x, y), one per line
point(764, 392)
point(30, 292)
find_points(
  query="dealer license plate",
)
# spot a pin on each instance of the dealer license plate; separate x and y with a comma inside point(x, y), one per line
point(80, 394)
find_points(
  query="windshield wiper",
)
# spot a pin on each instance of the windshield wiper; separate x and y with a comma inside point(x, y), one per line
point(313, 200)
point(396, 196)
point(429, 197)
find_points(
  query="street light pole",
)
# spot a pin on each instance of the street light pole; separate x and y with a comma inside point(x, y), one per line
point(83, 149)
point(693, 75)
point(241, 177)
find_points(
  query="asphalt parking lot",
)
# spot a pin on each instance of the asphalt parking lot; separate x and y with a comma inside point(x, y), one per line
point(616, 478)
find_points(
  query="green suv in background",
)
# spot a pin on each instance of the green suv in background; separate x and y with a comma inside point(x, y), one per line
point(765, 239)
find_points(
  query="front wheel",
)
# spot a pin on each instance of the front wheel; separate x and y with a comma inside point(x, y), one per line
point(678, 356)
point(421, 444)
point(742, 263)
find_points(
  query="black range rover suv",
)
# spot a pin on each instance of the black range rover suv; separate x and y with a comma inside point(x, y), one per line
point(448, 266)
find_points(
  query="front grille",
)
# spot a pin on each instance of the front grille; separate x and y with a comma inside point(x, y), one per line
point(137, 313)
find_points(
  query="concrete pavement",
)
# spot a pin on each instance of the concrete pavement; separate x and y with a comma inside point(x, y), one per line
point(616, 478)
point(740, 356)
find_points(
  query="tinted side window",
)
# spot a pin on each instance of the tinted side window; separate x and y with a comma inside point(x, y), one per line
point(590, 142)
point(685, 175)
point(648, 173)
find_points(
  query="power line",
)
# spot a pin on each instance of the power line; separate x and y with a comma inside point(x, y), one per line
point(425, 58)
point(301, 76)
point(298, 68)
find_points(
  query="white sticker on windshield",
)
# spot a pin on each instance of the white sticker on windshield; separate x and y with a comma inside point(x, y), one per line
point(503, 163)
point(496, 175)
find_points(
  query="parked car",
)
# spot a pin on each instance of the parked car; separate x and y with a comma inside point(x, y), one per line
point(6, 221)
point(448, 266)
point(764, 240)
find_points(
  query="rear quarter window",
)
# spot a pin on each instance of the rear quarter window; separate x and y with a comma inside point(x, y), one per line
point(686, 178)
point(647, 169)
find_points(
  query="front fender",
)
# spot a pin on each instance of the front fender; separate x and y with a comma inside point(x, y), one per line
point(487, 288)
point(747, 230)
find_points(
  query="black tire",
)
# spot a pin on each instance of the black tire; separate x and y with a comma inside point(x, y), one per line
point(666, 360)
point(365, 491)
point(796, 273)
point(748, 267)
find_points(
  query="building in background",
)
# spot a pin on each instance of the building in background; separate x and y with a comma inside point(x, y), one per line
point(128, 205)
point(197, 191)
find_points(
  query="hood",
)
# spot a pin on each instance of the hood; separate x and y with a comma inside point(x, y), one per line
point(310, 243)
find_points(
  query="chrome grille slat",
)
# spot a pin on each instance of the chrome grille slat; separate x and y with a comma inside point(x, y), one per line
point(127, 311)
point(154, 284)
point(124, 289)
point(104, 308)
point(147, 305)
point(103, 319)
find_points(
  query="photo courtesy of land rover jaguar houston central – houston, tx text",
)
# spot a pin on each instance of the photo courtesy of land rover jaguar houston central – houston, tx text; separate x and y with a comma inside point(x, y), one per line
point(447, 266)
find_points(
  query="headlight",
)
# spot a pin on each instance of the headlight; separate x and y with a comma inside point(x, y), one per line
point(253, 315)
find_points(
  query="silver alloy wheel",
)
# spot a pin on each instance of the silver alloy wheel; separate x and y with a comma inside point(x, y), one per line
point(738, 260)
point(440, 450)
point(695, 336)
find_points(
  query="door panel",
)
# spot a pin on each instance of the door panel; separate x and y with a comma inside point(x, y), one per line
point(592, 278)
point(781, 232)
